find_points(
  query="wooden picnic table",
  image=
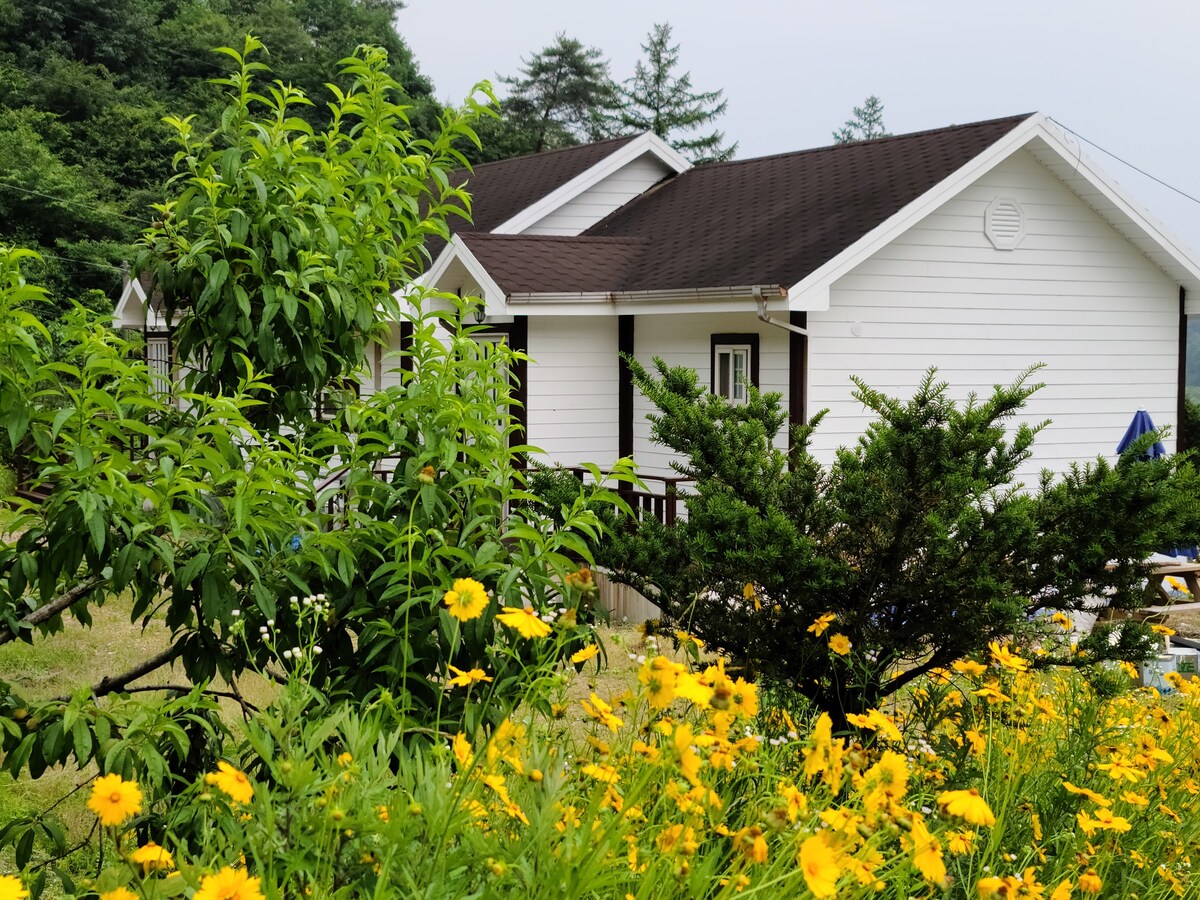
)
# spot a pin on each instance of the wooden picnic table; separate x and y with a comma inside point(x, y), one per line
point(1189, 573)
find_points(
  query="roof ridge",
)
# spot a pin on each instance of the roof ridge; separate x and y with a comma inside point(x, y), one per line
point(892, 138)
point(542, 154)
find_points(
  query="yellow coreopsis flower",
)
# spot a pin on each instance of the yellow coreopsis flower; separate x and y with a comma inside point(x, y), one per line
point(584, 654)
point(822, 623)
point(229, 884)
point(524, 621)
point(1090, 883)
point(927, 853)
point(114, 799)
point(601, 712)
point(152, 857)
point(967, 805)
point(121, 893)
point(1103, 820)
point(461, 748)
point(1063, 891)
point(231, 782)
point(466, 600)
point(744, 700)
point(690, 688)
point(749, 841)
point(11, 888)
point(1004, 657)
point(969, 667)
point(750, 592)
point(467, 678)
point(1085, 792)
point(960, 842)
point(660, 676)
point(678, 839)
point(819, 865)
point(1120, 768)
point(840, 644)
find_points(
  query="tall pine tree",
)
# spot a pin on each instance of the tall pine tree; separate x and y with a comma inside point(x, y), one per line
point(558, 99)
point(865, 125)
point(656, 99)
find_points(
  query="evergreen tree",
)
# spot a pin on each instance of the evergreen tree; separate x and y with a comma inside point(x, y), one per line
point(558, 100)
point(657, 100)
point(865, 125)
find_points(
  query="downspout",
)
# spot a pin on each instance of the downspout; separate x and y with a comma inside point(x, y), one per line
point(761, 302)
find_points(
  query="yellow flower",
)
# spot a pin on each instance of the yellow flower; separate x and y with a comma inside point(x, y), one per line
point(818, 863)
point(967, 805)
point(1085, 792)
point(115, 894)
point(969, 667)
point(524, 621)
point(1090, 883)
point(1165, 630)
point(1063, 891)
point(468, 678)
point(231, 782)
point(1005, 657)
point(992, 693)
point(750, 592)
point(229, 884)
point(114, 799)
point(152, 857)
point(462, 751)
point(466, 600)
point(344, 759)
point(1104, 820)
point(601, 712)
point(690, 688)
point(821, 624)
point(678, 839)
point(11, 888)
point(659, 675)
point(927, 853)
point(839, 644)
point(1064, 622)
point(751, 843)
point(582, 656)
point(960, 842)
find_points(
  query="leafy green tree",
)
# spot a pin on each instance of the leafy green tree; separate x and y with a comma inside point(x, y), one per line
point(558, 100)
point(865, 125)
point(656, 99)
point(258, 253)
point(916, 542)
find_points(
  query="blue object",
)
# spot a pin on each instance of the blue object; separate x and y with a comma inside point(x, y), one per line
point(1140, 425)
point(295, 542)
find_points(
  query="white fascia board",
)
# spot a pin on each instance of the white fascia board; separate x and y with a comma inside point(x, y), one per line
point(1124, 205)
point(618, 159)
point(812, 292)
point(648, 303)
point(132, 296)
point(457, 249)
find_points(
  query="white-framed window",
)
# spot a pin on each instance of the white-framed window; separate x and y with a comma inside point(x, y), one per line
point(732, 365)
point(158, 361)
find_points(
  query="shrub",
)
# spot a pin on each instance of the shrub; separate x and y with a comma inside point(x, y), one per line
point(913, 549)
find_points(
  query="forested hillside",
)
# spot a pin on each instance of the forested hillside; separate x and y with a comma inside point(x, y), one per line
point(84, 85)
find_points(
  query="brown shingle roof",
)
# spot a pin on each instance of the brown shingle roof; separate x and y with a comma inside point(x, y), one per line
point(522, 264)
point(775, 219)
point(505, 188)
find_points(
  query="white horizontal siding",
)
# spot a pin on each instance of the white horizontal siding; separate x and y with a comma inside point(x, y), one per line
point(611, 193)
point(1074, 295)
point(572, 396)
point(686, 340)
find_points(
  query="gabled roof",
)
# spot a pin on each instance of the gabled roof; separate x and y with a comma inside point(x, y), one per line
point(507, 187)
point(775, 219)
point(790, 224)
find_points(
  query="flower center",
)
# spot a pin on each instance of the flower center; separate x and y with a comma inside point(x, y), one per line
point(115, 797)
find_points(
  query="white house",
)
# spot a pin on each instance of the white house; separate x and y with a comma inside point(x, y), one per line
point(979, 249)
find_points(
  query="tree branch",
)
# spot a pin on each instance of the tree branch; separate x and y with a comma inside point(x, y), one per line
point(111, 685)
point(54, 607)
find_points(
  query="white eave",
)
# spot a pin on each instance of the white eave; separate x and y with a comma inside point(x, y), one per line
point(1049, 146)
point(131, 307)
point(458, 251)
point(643, 144)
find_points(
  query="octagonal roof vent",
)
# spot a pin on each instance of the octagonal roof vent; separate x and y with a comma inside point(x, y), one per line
point(1004, 223)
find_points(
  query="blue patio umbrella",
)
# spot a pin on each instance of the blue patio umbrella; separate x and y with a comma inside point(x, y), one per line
point(1140, 425)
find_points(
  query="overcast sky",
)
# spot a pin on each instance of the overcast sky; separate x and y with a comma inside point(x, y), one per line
point(1122, 74)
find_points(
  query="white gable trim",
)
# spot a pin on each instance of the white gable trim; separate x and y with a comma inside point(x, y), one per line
point(494, 299)
point(642, 144)
point(812, 292)
point(131, 308)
